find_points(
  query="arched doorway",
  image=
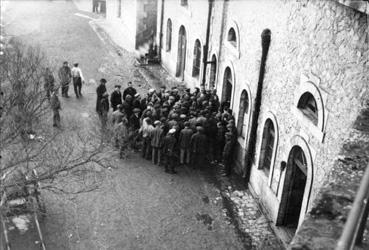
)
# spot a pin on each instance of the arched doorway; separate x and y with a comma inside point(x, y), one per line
point(213, 72)
point(181, 58)
point(294, 188)
point(227, 85)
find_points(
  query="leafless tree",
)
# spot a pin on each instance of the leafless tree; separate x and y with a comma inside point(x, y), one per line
point(28, 142)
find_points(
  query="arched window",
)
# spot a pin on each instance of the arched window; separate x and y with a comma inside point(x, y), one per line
point(308, 107)
point(267, 147)
point(196, 59)
point(169, 36)
point(232, 38)
point(242, 114)
point(227, 85)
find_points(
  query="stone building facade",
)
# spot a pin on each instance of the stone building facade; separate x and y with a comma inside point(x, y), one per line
point(314, 86)
point(136, 17)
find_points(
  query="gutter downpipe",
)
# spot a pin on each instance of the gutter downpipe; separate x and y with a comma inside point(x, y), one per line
point(250, 154)
point(206, 46)
point(161, 28)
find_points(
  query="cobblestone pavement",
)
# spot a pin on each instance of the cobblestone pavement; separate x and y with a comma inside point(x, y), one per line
point(137, 205)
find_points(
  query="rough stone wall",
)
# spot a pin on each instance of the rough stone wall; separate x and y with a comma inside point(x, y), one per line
point(323, 40)
point(146, 21)
point(194, 18)
point(323, 225)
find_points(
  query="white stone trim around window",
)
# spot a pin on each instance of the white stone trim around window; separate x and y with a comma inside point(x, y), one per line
point(269, 115)
point(244, 141)
point(310, 83)
point(234, 81)
point(234, 50)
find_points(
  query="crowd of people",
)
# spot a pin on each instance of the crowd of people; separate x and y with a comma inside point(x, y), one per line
point(169, 127)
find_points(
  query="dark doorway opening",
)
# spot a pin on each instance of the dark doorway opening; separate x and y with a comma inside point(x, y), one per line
point(294, 186)
point(181, 58)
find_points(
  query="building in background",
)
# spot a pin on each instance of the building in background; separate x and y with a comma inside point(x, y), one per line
point(294, 72)
point(308, 95)
point(137, 18)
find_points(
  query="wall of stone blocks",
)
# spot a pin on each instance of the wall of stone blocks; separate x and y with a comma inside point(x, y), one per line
point(318, 41)
point(319, 46)
point(194, 18)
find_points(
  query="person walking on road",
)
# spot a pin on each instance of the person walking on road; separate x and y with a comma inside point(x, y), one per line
point(100, 90)
point(78, 80)
point(55, 106)
point(65, 76)
point(49, 82)
point(116, 97)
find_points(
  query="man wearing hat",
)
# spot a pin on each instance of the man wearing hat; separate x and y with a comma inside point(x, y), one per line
point(78, 79)
point(134, 120)
point(129, 91)
point(116, 97)
point(134, 126)
point(198, 147)
point(137, 101)
point(104, 109)
point(100, 90)
point(65, 76)
point(156, 142)
point(227, 154)
point(185, 143)
point(169, 143)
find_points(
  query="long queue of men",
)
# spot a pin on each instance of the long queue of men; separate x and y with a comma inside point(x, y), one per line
point(166, 125)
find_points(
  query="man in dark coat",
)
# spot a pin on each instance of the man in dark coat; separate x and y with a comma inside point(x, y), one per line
point(227, 154)
point(116, 97)
point(65, 76)
point(134, 120)
point(198, 147)
point(129, 91)
point(55, 106)
point(49, 82)
point(156, 142)
point(127, 106)
point(185, 143)
point(100, 90)
point(104, 109)
point(134, 126)
point(219, 142)
point(169, 143)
